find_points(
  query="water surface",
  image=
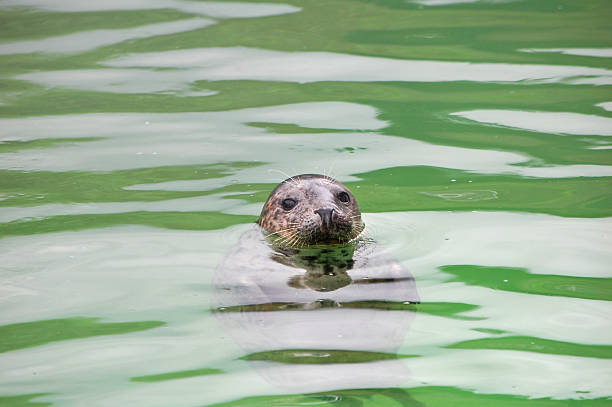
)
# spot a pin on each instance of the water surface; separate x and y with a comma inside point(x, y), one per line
point(139, 140)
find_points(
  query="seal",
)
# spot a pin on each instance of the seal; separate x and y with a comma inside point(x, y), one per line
point(315, 292)
point(311, 209)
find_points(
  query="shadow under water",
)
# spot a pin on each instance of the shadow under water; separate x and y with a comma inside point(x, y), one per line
point(348, 298)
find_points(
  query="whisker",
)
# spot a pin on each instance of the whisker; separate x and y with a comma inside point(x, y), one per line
point(293, 239)
point(298, 240)
point(331, 169)
point(285, 240)
point(327, 175)
point(287, 176)
point(280, 231)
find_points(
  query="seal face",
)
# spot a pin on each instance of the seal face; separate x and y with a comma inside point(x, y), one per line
point(311, 209)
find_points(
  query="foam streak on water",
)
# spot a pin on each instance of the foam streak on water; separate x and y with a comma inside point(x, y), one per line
point(208, 8)
point(589, 52)
point(545, 122)
point(85, 41)
point(240, 63)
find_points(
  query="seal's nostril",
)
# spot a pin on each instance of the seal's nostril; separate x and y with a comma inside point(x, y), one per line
point(326, 216)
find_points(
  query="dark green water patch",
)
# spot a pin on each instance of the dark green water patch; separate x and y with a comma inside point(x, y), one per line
point(448, 309)
point(431, 188)
point(479, 40)
point(168, 220)
point(183, 374)
point(538, 345)
point(442, 309)
point(316, 28)
point(521, 281)
point(429, 119)
point(322, 356)
point(429, 396)
point(283, 128)
point(553, 6)
point(420, 188)
point(23, 23)
point(23, 400)
point(27, 188)
point(496, 31)
point(490, 331)
point(425, 176)
point(28, 334)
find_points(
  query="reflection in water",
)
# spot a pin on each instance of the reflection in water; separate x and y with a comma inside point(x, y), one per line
point(340, 292)
point(545, 122)
point(326, 268)
point(605, 105)
point(240, 63)
point(449, 2)
point(515, 304)
point(209, 8)
point(588, 52)
point(140, 140)
point(85, 41)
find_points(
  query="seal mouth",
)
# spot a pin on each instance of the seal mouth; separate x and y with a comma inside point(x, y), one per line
point(329, 234)
point(319, 233)
point(316, 234)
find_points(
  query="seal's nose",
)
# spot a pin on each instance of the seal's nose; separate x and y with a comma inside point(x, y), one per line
point(326, 217)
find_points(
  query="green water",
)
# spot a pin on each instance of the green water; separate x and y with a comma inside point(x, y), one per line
point(139, 140)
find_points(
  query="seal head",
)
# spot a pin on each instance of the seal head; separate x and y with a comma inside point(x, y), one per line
point(311, 209)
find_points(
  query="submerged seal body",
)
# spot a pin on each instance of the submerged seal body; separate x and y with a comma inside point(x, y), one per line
point(312, 287)
point(311, 209)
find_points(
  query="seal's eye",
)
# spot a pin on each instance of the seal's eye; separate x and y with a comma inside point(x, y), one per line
point(344, 197)
point(288, 204)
